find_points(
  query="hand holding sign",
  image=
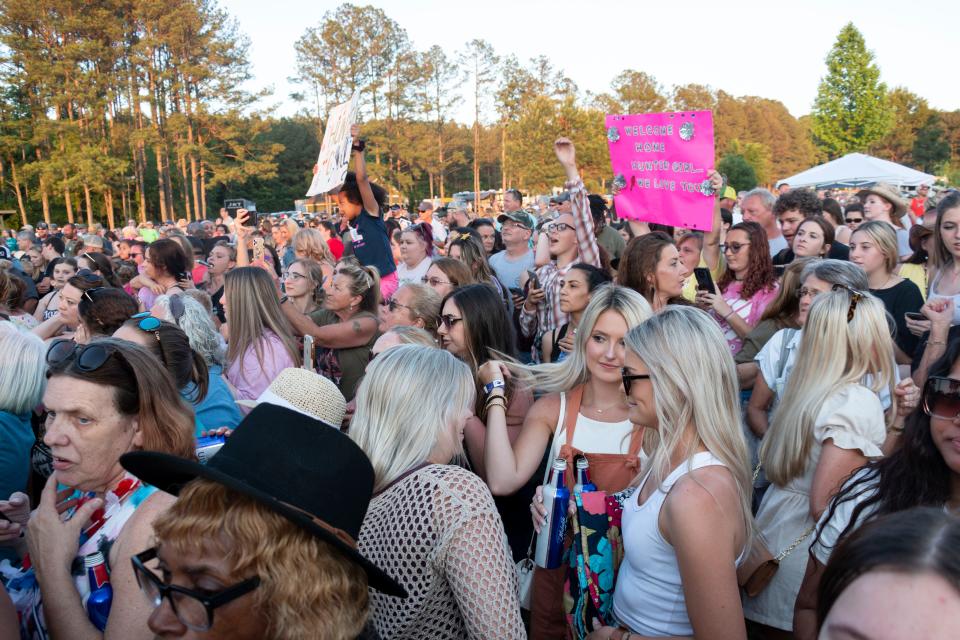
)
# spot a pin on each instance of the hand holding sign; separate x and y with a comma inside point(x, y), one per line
point(331, 168)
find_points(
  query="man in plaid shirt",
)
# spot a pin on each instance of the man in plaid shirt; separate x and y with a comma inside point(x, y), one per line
point(571, 240)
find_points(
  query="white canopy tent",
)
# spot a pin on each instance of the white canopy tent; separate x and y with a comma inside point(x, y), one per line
point(858, 170)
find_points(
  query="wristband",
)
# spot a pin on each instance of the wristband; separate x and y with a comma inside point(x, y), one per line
point(284, 299)
point(496, 384)
point(359, 145)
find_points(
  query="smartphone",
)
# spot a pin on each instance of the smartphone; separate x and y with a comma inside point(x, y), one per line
point(308, 353)
point(515, 291)
point(913, 315)
point(533, 282)
point(704, 279)
point(257, 249)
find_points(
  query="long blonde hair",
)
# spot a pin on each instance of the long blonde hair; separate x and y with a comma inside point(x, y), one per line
point(397, 425)
point(833, 353)
point(310, 243)
point(254, 308)
point(694, 381)
point(563, 376)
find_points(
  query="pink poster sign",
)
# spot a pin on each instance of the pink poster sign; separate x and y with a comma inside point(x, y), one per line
point(660, 163)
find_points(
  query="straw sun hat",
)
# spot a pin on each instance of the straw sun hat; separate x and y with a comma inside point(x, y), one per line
point(889, 193)
point(304, 392)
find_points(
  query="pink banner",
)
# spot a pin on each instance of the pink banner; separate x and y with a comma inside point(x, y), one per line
point(660, 163)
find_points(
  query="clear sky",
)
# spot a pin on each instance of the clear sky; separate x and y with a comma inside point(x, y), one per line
point(770, 49)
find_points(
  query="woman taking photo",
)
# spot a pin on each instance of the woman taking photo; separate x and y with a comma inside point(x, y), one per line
point(104, 399)
point(652, 267)
point(261, 343)
point(923, 471)
point(346, 327)
point(476, 330)
point(687, 525)
point(416, 252)
point(813, 239)
point(413, 305)
point(748, 282)
point(828, 424)
point(584, 412)
point(446, 274)
point(431, 525)
point(873, 247)
point(49, 306)
point(576, 288)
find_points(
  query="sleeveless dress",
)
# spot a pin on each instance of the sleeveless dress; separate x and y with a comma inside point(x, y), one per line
point(649, 594)
point(105, 527)
point(611, 472)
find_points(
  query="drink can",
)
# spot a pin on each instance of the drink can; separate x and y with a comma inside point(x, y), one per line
point(101, 593)
point(208, 446)
point(556, 498)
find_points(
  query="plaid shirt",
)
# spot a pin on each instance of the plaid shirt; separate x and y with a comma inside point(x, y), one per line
point(549, 316)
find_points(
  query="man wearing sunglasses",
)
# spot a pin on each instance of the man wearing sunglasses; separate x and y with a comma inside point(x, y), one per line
point(567, 239)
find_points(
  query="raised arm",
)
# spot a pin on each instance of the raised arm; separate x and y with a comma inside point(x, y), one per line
point(370, 203)
point(940, 313)
point(583, 219)
point(342, 335)
point(711, 239)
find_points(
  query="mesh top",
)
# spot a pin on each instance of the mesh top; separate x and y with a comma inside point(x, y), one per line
point(439, 534)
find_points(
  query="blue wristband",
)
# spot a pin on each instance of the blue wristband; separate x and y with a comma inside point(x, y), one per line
point(496, 384)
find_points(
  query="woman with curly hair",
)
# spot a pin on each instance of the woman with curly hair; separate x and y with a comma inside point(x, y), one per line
point(747, 282)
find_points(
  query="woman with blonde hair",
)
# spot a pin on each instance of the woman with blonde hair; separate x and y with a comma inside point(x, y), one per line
point(829, 423)
point(261, 342)
point(308, 244)
point(345, 328)
point(688, 523)
point(414, 305)
point(431, 525)
point(303, 285)
point(470, 251)
point(873, 247)
point(584, 411)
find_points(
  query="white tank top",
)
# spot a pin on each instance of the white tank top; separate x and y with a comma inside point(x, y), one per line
point(649, 594)
point(956, 298)
point(592, 436)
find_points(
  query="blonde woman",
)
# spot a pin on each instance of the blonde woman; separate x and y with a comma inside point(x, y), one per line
point(345, 328)
point(828, 424)
point(261, 343)
point(584, 412)
point(873, 247)
point(431, 525)
point(308, 244)
point(687, 525)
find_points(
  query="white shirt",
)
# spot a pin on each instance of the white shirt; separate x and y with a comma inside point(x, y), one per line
point(406, 275)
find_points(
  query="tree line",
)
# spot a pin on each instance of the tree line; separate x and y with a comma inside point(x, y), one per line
point(126, 108)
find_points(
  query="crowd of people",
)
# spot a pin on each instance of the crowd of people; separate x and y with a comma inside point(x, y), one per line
point(347, 427)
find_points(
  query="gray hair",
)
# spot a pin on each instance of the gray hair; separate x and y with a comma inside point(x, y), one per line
point(196, 323)
point(22, 369)
point(837, 272)
point(766, 198)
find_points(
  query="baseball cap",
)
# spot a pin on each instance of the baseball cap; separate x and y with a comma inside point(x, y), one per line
point(520, 217)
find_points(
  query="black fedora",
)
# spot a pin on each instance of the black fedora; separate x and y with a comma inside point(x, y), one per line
point(300, 468)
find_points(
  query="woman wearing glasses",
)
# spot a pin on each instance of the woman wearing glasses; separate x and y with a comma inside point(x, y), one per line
point(345, 328)
point(584, 412)
point(104, 399)
point(747, 282)
point(303, 285)
point(413, 305)
point(416, 253)
point(830, 422)
point(446, 274)
point(923, 471)
point(686, 520)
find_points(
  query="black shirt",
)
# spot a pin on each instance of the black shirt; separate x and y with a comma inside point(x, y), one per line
point(837, 252)
point(903, 297)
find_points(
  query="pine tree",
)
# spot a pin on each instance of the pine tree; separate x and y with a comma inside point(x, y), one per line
point(851, 110)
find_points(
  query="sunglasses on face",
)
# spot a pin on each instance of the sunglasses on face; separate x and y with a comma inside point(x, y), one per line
point(854, 220)
point(733, 247)
point(628, 379)
point(941, 398)
point(449, 320)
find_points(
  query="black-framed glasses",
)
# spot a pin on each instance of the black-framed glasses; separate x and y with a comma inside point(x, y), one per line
point(733, 247)
point(449, 320)
point(192, 608)
point(393, 304)
point(435, 282)
point(88, 294)
point(854, 220)
point(86, 357)
point(941, 397)
point(557, 226)
point(855, 298)
point(628, 379)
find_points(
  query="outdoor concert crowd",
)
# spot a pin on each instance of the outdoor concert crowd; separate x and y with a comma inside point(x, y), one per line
point(354, 425)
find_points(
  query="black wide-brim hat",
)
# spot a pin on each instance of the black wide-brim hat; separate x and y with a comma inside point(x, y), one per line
point(306, 471)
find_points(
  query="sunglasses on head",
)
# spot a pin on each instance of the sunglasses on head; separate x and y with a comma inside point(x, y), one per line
point(89, 293)
point(150, 324)
point(941, 397)
point(86, 357)
point(855, 298)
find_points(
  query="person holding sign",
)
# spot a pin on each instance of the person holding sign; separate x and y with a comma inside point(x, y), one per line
point(361, 204)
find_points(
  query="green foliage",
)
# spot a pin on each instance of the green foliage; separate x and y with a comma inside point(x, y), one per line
point(740, 175)
point(910, 113)
point(851, 110)
point(930, 150)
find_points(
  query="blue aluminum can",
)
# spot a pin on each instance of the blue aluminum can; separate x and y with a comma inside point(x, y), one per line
point(556, 499)
point(101, 593)
point(208, 446)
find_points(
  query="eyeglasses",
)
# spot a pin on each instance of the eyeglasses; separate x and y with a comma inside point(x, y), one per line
point(554, 227)
point(449, 320)
point(855, 298)
point(513, 226)
point(854, 220)
point(806, 291)
point(393, 304)
point(941, 397)
point(287, 275)
point(733, 247)
point(88, 294)
point(192, 608)
point(87, 357)
point(628, 379)
point(435, 282)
